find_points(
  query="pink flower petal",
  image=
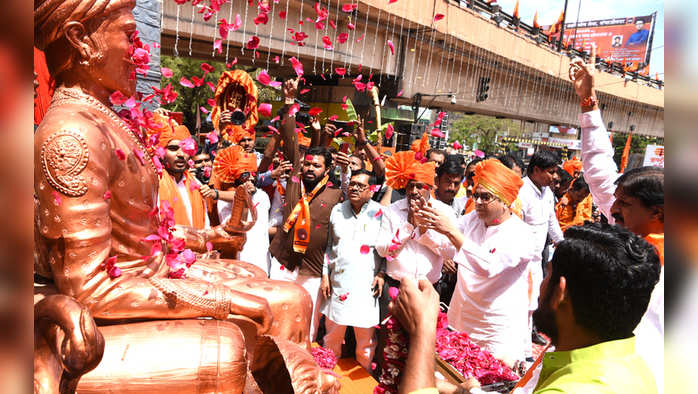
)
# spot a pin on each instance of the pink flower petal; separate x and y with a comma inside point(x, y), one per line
point(297, 66)
point(457, 145)
point(107, 195)
point(120, 154)
point(57, 200)
point(209, 246)
point(342, 38)
point(438, 17)
point(117, 98)
point(294, 179)
point(282, 14)
point(304, 91)
point(391, 46)
point(393, 292)
point(186, 83)
point(437, 133)
point(379, 213)
point(166, 72)
point(253, 43)
point(315, 111)
point(327, 43)
point(349, 7)
point(365, 249)
point(264, 109)
point(389, 130)
point(264, 78)
point(207, 68)
point(333, 117)
point(294, 109)
point(218, 46)
point(341, 71)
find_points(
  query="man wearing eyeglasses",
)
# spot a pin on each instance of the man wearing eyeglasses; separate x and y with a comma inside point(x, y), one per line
point(494, 250)
point(352, 279)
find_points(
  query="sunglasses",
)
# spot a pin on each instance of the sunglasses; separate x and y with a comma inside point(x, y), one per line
point(485, 198)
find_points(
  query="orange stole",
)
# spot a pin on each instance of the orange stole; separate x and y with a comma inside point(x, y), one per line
point(168, 191)
point(657, 240)
point(568, 216)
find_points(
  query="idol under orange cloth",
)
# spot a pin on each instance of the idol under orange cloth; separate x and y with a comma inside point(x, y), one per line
point(168, 191)
point(402, 167)
point(498, 179)
point(231, 132)
point(572, 165)
point(657, 240)
point(232, 162)
point(569, 216)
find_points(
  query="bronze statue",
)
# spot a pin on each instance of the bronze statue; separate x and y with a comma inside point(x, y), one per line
point(96, 191)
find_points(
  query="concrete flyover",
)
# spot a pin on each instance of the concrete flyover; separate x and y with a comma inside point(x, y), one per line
point(528, 80)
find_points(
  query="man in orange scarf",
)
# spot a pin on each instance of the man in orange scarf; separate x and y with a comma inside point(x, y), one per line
point(575, 207)
point(177, 185)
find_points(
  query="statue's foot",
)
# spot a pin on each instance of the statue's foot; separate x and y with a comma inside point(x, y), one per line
point(329, 383)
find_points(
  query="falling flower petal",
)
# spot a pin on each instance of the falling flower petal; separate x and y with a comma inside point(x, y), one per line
point(349, 7)
point(389, 130)
point(379, 213)
point(188, 146)
point(186, 83)
point(262, 18)
point(297, 66)
point(57, 200)
point(393, 292)
point(304, 91)
point(253, 43)
point(327, 43)
point(166, 72)
point(333, 118)
point(457, 145)
point(264, 109)
point(218, 46)
point(203, 109)
point(437, 133)
point(120, 154)
point(294, 179)
point(282, 14)
point(342, 38)
point(209, 246)
point(212, 137)
point(294, 109)
point(107, 195)
point(343, 297)
point(399, 94)
point(391, 46)
point(207, 68)
point(315, 111)
point(117, 98)
point(351, 26)
point(438, 17)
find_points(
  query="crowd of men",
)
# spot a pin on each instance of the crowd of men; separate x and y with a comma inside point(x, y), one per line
point(347, 226)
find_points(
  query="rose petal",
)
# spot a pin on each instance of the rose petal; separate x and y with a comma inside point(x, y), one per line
point(379, 213)
point(393, 292)
point(297, 66)
point(437, 133)
point(120, 154)
point(218, 46)
point(166, 72)
point(264, 109)
point(117, 98)
point(389, 130)
point(333, 118)
point(315, 111)
point(341, 71)
point(327, 43)
point(438, 17)
point(253, 43)
point(342, 38)
point(349, 7)
point(391, 46)
point(186, 83)
point(207, 68)
point(365, 249)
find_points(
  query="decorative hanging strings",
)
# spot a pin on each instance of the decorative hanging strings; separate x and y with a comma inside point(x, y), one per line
point(230, 20)
point(363, 37)
point(384, 56)
point(283, 46)
point(271, 31)
point(176, 49)
point(334, 40)
point(191, 29)
point(317, 35)
point(300, 28)
point(213, 48)
point(244, 29)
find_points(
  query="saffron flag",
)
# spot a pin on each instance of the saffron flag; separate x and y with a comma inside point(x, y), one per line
point(626, 153)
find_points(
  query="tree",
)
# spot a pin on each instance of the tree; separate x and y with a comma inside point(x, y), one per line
point(482, 129)
point(190, 99)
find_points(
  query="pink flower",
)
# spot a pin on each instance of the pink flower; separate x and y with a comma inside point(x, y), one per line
point(351, 26)
point(399, 94)
point(365, 249)
point(139, 155)
point(209, 246)
point(342, 38)
point(391, 46)
point(297, 66)
point(333, 117)
point(107, 195)
point(207, 68)
point(166, 72)
point(343, 297)
point(324, 357)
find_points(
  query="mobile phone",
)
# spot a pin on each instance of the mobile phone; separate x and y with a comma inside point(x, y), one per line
point(347, 127)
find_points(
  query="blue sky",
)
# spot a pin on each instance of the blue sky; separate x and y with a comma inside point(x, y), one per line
point(549, 11)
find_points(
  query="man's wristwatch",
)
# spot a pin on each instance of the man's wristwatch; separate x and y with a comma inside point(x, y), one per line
point(217, 195)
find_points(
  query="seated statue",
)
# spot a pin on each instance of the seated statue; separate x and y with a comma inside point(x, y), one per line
point(97, 226)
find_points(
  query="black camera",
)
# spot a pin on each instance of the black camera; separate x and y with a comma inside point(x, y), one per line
point(238, 117)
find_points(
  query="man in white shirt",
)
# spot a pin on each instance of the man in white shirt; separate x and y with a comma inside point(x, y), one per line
point(410, 249)
point(494, 250)
point(351, 282)
point(538, 210)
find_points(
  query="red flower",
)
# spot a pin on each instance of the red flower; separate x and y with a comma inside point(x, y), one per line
point(349, 7)
point(342, 38)
point(315, 111)
point(253, 43)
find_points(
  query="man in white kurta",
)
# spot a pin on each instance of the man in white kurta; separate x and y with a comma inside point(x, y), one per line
point(256, 248)
point(351, 281)
point(490, 302)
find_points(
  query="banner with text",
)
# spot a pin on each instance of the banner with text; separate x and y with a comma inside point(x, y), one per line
point(625, 40)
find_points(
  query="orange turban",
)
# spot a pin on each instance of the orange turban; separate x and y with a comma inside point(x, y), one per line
point(402, 167)
point(303, 140)
point(169, 130)
point(232, 162)
point(231, 132)
point(572, 165)
point(498, 179)
point(420, 147)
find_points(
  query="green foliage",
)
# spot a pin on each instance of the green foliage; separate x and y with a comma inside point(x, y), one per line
point(351, 111)
point(188, 99)
point(481, 129)
point(638, 144)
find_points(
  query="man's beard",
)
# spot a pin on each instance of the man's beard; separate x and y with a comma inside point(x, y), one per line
point(310, 183)
point(544, 319)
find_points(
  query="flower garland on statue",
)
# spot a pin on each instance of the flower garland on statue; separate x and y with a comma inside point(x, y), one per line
point(394, 354)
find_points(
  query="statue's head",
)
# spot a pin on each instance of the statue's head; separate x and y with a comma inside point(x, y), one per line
point(88, 41)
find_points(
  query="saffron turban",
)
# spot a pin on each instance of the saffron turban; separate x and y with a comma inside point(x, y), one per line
point(242, 79)
point(402, 167)
point(572, 165)
point(498, 179)
point(169, 130)
point(51, 15)
point(303, 140)
point(420, 147)
point(232, 162)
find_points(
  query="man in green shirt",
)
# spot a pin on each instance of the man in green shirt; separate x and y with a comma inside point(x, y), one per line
point(597, 288)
